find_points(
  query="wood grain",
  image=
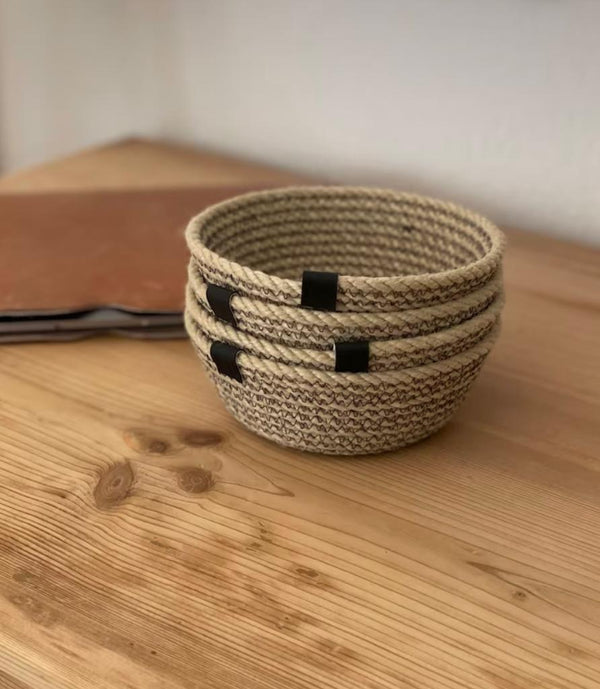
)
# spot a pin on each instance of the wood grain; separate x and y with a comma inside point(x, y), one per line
point(133, 164)
point(148, 541)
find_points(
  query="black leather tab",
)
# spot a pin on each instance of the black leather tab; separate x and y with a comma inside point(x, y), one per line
point(319, 290)
point(352, 357)
point(225, 357)
point(219, 300)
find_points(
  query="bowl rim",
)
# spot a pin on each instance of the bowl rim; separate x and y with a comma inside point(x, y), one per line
point(391, 286)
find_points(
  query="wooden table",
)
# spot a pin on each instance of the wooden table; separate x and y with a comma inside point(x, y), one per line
point(148, 541)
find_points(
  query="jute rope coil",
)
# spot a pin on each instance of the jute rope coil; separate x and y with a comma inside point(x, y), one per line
point(384, 355)
point(298, 327)
point(392, 250)
point(343, 413)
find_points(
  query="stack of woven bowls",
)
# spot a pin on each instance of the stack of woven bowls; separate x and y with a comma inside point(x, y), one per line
point(342, 320)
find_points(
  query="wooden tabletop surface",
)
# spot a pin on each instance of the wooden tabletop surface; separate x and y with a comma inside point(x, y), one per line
point(147, 541)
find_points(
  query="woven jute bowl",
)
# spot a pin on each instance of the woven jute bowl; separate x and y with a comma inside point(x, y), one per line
point(343, 413)
point(384, 355)
point(298, 327)
point(390, 250)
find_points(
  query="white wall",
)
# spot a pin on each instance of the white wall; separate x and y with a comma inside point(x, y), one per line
point(72, 72)
point(495, 103)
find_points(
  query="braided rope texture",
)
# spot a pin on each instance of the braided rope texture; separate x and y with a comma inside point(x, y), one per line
point(298, 327)
point(343, 413)
point(419, 279)
point(384, 355)
point(393, 250)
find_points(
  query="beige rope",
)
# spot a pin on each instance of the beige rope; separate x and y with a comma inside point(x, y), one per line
point(298, 327)
point(343, 413)
point(360, 381)
point(393, 250)
point(420, 279)
point(384, 355)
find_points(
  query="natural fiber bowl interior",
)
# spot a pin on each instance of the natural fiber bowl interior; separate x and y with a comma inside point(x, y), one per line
point(384, 355)
point(391, 250)
point(298, 327)
point(345, 413)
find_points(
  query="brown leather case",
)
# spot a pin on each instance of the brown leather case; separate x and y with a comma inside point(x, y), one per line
point(62, 253)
